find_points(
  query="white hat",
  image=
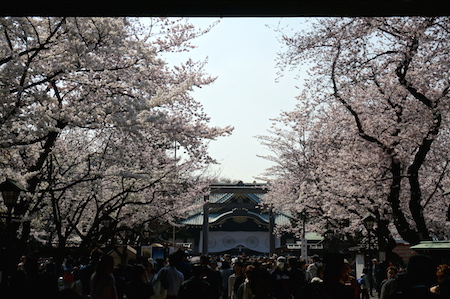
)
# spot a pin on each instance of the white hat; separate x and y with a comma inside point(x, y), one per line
point(281, 258)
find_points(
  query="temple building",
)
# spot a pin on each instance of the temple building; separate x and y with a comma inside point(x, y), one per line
point(232, 221)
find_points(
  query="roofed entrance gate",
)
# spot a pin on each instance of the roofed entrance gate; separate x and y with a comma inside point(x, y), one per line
point(232, 221)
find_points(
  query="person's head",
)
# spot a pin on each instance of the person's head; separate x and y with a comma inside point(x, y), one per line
point(148, 265)
point(226, 265)
point(96, 254)
point(281, 261)
point(443, 273)
point(105, 265)
point(138, 272)
point(421, 270)
point(315, 258)
point(293, 262)
point(249, 271)
point(204, 260)
point(238, 268)
point(391, 272)
point(302, 264)
point(346, 269)
point(333, 267)
point(173, 259)
point(213, 264)
point(198, 270)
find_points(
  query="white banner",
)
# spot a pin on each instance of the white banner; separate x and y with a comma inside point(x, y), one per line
point(226, 240)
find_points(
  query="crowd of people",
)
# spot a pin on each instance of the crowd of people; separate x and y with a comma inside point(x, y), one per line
point(226, 277)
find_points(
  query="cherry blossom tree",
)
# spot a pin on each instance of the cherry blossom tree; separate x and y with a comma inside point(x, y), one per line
point(370, 132)
point(94, 122)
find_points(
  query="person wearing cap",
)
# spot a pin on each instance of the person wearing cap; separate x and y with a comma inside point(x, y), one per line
point(311, 270)
point(212, 276)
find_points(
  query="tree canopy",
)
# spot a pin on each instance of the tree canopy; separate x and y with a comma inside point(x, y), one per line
point(370, 132)
point(95, 123)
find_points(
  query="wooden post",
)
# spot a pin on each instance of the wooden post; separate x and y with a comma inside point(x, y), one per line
point(271, 234)
point(205, 229)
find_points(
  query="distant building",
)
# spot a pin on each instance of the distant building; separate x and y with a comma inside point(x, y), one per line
point(438, 250)
point(233, 222)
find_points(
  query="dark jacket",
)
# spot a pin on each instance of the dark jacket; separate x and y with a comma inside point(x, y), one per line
point(195, 288)
point(138, 289)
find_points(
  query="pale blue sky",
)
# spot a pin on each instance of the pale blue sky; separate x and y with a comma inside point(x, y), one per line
point(241, 53)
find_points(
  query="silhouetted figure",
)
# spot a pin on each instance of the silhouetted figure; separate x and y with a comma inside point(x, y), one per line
point(331, 287)
point(260, 285)
point(102, 283)
point(170, 278)
point(225, 271)
point(388, 285)
point(86, 271)
point(443, 277)
point(196, 287)
point(139, 287)
point(213, 277)
point(236, 279)
point(420, 276)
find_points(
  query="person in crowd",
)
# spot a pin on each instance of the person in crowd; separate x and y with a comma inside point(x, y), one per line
point(122, 277)
point(212, 276)
point(68, 269)
point(196, 287)
point(331, 287)
point(374, 268)
point(236, 279)
point(364, 283)
point(139, 287)
point(31, 281)
point(319, 276)
point(21, 264)
point(149, 268)
point(244, 290)
point(381, 274)
point(225, 271)
point(297, 276)
point(348, 279)
point(102, 285)
point(420, 276)
point(259, 283)
point(86, 271)
point(388, 285)
point(183, 265)
point(312, 268)
point(170, 278)
point(442, 287)
point(280, 278)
